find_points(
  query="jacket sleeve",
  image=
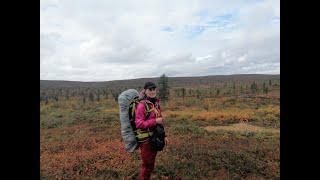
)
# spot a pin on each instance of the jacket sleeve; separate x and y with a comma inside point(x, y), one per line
point(141, 123)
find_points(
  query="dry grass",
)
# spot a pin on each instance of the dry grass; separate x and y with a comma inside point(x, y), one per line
point(90, 147)
point(112, 110)
point(221, 115)
point(78, 151)
point(241, 127)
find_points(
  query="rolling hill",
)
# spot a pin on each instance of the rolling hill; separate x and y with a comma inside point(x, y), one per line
point(173, 81)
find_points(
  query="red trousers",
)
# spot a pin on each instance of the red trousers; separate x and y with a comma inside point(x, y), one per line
point(148, 157)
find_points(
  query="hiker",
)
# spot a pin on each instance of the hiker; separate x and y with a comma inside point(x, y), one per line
point(148, 124)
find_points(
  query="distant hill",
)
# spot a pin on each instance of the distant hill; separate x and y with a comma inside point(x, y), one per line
point(173, 81)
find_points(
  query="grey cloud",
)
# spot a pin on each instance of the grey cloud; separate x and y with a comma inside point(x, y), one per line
point(176, 59)
point(259, 56)
point(256, 54)
point(101, 40)
point(128, 55)
point(49, 43)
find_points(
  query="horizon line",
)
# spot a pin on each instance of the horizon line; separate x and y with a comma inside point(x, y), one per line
point(155, 77)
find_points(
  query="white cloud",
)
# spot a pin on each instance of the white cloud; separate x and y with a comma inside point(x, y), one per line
point(108, 40)
point(242, 58)
point(204, 58)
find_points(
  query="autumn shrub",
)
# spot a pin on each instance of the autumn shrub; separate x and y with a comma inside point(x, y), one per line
point(184, 128)
point(192, 102)
point(268, 117)
point(83, 141)
point(107, 174)
point(238, 163)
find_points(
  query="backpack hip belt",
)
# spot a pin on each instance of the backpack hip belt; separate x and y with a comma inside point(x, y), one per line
point(143, 135)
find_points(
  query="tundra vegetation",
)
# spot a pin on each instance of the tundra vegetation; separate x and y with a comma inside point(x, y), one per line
point(227, 128)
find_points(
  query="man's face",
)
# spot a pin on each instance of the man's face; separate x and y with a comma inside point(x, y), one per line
point(151, 92)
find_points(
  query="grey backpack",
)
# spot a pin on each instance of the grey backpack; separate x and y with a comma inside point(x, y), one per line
point(127, 132)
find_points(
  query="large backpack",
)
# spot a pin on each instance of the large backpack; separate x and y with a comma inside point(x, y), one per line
point(128, 101)
point(128, 136)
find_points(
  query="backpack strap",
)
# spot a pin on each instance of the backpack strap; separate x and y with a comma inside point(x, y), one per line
point(143, 134)
point(134, 103)
point(132, 107)
point(147, 108)
point(154, 109)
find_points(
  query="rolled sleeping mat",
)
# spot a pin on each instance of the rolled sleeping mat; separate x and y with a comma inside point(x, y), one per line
point(127, 133)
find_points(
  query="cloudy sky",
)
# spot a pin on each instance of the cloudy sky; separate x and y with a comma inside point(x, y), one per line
point(102, 40)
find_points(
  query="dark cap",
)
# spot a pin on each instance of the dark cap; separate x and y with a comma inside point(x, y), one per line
point(149, 85)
